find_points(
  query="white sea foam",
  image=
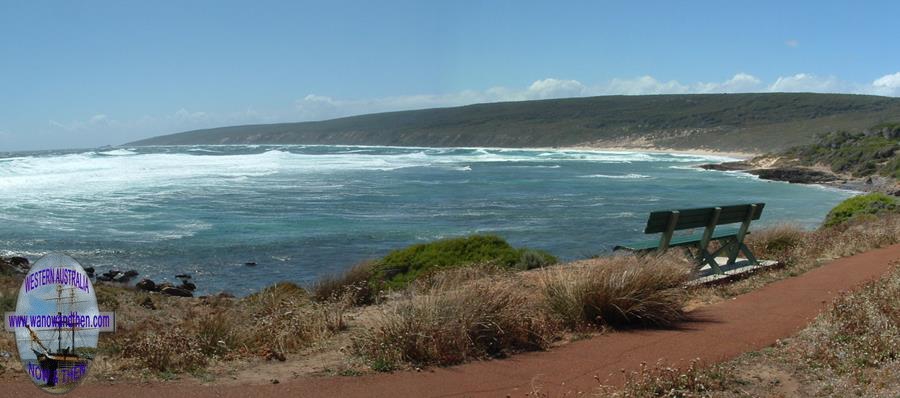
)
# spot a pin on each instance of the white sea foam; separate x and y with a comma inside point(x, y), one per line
point(631, 176)
point(202, 150)
point(623, 214)
point(119, 152)
point(64, 180)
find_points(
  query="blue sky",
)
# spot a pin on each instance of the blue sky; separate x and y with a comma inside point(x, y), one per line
point(90, 73)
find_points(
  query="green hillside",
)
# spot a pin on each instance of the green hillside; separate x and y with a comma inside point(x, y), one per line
point(735, 122)
point(871, 152)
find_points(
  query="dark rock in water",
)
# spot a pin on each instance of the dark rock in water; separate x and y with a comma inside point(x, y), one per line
point(19, 262)
point(250, 264)
point(187, 286)
point(146, 285)
point(163, 285)
point(115, 276)
point(14, 265)
point(148, 303)
point(174, 291)
point(225, 295)
point(89, 271)
point(183, 276)
point(120, 277)
point(796, 175)
point(109, 275)
point(727, 166)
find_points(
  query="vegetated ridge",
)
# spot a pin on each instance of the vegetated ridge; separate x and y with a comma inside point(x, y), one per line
point(865, 161)
point(758, 123)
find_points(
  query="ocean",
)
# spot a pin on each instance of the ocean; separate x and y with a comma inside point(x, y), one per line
point(303, 211)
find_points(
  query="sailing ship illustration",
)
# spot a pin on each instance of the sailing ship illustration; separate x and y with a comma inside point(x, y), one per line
point(67, 363)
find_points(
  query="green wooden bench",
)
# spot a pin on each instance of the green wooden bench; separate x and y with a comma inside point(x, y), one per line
point(732, 240)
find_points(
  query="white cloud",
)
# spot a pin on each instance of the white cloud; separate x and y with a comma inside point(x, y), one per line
point(185, 114)
point(741, 82)
point(643, 85)
point(887, 85)
point(555, 88)
point(803, 82)
point(793, 43)
point(98, 119)
point(320, 107)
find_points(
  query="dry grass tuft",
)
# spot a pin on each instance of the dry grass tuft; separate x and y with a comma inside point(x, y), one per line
point(693, 380)
point(215, 333)
point(858, 236)
point(450, 323)
point(452, 278)
point(619, 292)
point(174, 350)
point(284, 319)
point(778, 243)
point(352, 285)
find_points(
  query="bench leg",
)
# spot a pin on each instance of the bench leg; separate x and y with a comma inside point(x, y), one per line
point(704, 257)
point(735, 249)
point(711, 260)
point(750, 257)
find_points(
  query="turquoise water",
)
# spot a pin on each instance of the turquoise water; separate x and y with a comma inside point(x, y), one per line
point(303, 211)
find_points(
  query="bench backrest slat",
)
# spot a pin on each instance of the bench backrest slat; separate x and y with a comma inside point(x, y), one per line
point(700, 217)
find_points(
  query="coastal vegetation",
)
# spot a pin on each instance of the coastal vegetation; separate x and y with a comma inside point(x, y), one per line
point(760, 122)
point(363, 282)
point(870, 205)
point(448, 315)
point(866, 160)
point(402, 266)
point(860, 154)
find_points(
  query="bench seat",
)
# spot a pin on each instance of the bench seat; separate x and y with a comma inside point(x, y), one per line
point(730, 241)
point(683, 240)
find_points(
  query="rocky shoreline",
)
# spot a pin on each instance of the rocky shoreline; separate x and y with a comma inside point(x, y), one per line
point(768, 169)
point(19, 266)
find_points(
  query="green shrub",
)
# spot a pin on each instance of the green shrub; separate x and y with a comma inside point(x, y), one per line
point(402, 266)
point(861, 205)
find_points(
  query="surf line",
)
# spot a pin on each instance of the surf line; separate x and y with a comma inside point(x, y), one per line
point(59, 276)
